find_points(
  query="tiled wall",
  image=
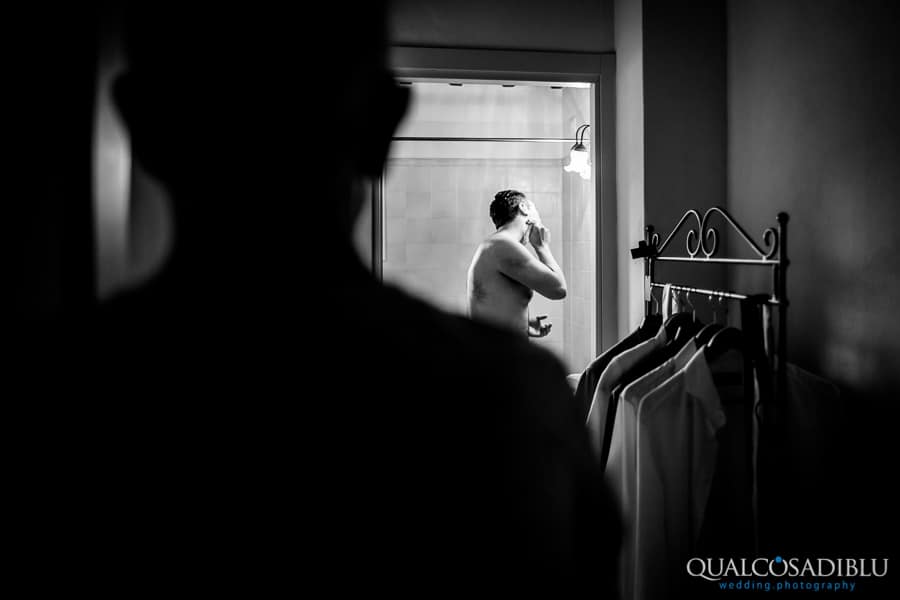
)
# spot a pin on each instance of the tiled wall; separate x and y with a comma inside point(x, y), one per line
point(580, 269)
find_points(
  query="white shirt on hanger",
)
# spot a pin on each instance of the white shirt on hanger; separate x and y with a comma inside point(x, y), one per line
point(677, 450)
point(621, 467)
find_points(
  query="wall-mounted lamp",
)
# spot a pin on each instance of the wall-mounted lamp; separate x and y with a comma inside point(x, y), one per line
point(579, 157)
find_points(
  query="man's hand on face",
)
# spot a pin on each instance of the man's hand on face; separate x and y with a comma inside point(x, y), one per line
point(538, 235)
point(538, 329)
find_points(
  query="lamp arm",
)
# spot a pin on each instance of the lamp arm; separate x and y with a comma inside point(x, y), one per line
point(580, 132)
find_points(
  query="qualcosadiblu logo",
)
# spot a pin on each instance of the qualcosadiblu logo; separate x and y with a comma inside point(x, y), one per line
point(714, 569)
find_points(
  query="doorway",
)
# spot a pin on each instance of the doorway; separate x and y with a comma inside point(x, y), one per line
point(463, 141)
point(505, 145)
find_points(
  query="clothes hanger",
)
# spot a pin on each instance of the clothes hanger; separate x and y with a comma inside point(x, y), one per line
point(650, 326)
point(684, 324)
point(686, 299)
point(651, 323)
point(675, 321)
point(724, 340)
point(684, 333)
point(705, 333)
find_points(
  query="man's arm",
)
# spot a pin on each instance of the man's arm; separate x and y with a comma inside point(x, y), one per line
point(539, 236)
point(543, 276)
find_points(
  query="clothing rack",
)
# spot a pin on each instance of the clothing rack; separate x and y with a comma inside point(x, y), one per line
point(702, 245)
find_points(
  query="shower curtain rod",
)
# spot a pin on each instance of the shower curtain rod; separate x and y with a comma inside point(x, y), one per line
point(484, 139)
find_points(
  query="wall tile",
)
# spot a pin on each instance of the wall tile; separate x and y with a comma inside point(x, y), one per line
point(579, 312)
point(418, 179)
point(583, 227)
point(580, 348)
point(445, 178)
point(470, 179)
point(470, 231)
point(473, 205)
point(431, 230)
point(519, 178)
point(396, 178)
point(418, 230)
point(433, 255)
point(546, 204)
point(395, 230)
point(554, 224)
point(418, 205)
point(395, 204)
point(488, 191)
point(445, 230)
point(464, 255)
point(494, 179)
point(580, 287)
point(583, 259)
point(443, 204)
point(547, 179)
point(395, 255)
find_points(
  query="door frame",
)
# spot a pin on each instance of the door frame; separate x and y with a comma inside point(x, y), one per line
point(514, 65)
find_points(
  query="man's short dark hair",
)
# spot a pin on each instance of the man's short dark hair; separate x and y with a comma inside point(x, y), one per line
point(505, 206)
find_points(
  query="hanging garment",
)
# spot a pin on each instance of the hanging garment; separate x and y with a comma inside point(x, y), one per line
point(676, 444)
point(666, 308)
point(621, 467)
point(675, 343)
point(694, 480)
point(599, 412)
point(587, 382)
point(641, 368)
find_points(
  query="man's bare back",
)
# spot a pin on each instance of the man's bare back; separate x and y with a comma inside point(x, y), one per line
point(494, 296)
point(504, 274)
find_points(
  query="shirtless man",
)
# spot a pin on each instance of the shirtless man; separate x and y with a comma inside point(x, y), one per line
point(504, 274)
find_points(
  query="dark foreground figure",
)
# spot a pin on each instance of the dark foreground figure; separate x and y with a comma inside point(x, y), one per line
point(263, 412)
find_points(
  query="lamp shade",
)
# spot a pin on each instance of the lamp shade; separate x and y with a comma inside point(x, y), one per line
point(579, 161)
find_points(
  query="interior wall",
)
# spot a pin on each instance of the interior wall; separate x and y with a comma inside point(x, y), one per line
point(684, 125)
point(629, 159)
point(670, 134)
point(814, 130)
point(578, 25)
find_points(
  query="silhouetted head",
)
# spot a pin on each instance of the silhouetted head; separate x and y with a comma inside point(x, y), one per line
point(260, 127)
point(507, 205)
